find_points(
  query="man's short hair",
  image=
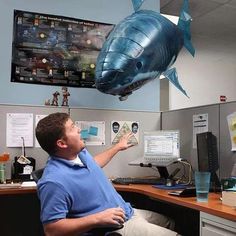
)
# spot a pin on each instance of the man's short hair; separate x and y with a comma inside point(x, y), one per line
point(50, 129)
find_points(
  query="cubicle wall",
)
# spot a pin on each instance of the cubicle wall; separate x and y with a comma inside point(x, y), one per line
point(227, 156)
point(148, 121)
point(119, 165)
point(217, 123)
point(183, 120)
point(37, 153)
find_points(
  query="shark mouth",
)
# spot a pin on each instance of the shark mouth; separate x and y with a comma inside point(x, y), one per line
point(134, 86)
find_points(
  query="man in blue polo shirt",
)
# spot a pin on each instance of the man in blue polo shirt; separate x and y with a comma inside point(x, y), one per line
point(75, 195)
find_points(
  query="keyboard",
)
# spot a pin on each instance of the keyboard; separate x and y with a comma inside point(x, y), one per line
point(130, 180)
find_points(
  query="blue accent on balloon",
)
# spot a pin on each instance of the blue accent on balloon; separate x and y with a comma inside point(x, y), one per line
point(140, 48)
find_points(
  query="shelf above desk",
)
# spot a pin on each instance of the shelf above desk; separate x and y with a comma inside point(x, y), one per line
point(213, 206)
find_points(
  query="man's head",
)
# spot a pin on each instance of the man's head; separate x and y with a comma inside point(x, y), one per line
point(51, 129)
point(58, 135)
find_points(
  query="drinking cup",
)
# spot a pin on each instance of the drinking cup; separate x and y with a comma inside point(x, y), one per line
point(202, 183)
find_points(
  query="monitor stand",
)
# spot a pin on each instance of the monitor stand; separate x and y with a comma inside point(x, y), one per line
point(163, 172)
point(161, 169)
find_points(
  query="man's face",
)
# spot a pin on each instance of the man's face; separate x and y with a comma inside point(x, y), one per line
point(72, 137)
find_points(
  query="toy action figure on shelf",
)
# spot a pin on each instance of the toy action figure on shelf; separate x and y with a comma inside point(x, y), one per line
point(65, 95)
point(55, 98)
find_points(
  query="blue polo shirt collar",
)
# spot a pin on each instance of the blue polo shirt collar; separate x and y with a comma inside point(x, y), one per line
point(76, 162)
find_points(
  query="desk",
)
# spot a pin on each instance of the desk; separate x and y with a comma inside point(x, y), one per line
point(20, 209)
point(16, 201)
point(213, 207)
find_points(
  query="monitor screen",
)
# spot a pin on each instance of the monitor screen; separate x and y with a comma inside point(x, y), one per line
point(161, 147)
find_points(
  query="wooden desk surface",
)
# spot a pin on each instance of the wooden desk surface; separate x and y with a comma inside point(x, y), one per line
point(213, 206)
point(18, 190)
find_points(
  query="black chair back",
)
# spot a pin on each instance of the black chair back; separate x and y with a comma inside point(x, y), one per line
point(37, 174)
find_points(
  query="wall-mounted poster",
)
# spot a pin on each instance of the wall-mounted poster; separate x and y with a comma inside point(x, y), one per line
point(120, 128)
point(55, 50)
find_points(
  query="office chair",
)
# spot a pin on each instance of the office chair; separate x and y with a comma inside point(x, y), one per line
point(37, 174)
point(98, 231)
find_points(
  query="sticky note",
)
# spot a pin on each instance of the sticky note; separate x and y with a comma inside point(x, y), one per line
point(93, 130)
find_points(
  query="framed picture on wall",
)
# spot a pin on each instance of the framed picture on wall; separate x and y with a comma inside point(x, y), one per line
point(55, 50)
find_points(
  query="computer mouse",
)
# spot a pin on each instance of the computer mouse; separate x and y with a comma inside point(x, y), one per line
point(170, 182)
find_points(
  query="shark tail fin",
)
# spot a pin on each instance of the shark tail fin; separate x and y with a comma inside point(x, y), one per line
point(137, 4)
point(184, 24)
point(172, 76)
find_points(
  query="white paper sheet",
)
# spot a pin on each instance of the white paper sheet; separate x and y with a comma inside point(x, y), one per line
point(120, 128)
point(19, 127)
point(93, 132)
point(231, 119)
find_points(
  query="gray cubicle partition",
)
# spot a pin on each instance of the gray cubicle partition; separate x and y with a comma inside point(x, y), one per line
point(183, 120)
point(35, 152)
point(227, 156)
point(148, 121)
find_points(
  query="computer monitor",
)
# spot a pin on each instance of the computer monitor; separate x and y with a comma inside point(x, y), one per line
point(161, 148)
point(207, 153)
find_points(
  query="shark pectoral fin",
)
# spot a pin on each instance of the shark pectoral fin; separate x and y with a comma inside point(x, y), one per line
point(137, 4)
point(172, 76)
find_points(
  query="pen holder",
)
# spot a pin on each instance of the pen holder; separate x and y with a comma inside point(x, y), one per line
point(23, 171)
point(2, 173)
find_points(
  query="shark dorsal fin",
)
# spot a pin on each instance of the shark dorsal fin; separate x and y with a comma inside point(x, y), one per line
point(137, 4)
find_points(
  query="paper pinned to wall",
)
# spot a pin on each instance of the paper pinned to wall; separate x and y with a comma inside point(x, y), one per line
point(231, 119)
point(120, 128)
point(19, 125)
point(200, 125)
point(93, 132)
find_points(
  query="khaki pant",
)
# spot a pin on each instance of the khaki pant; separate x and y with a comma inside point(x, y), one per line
point(147, 223)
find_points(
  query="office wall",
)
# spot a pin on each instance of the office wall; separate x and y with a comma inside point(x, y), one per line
point(211, 72)
point(111, 11)
point(37, 153)
point(148, 121)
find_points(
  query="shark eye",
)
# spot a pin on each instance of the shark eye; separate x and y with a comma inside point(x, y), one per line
point(139, 65)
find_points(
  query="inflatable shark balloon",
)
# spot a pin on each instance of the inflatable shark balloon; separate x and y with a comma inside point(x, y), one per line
point(140, 48)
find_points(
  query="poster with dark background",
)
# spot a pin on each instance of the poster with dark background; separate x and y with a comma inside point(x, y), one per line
point(55, 50)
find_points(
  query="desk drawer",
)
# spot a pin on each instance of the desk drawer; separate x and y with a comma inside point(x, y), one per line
point(215, 226)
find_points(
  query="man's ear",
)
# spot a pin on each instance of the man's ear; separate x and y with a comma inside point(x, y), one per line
point(61, 143)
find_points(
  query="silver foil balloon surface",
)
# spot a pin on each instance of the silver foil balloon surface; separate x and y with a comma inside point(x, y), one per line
point(140, 48)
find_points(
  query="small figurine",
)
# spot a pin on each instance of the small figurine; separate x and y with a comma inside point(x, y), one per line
point(65, 95)
point(55, 98)
point(47, 102)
